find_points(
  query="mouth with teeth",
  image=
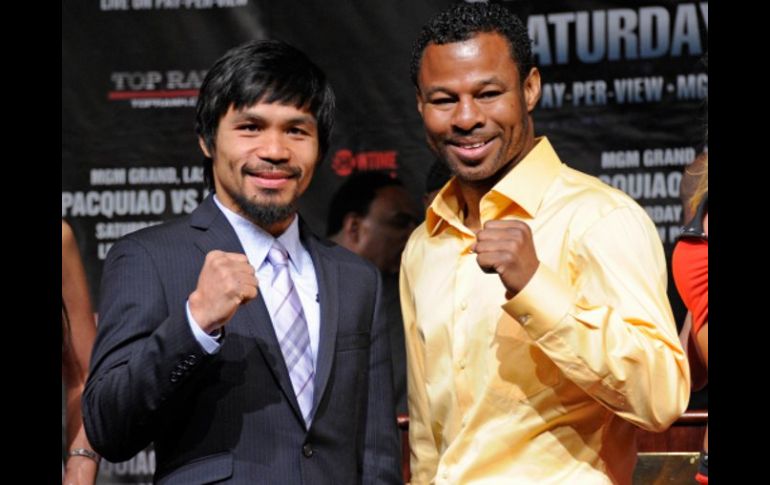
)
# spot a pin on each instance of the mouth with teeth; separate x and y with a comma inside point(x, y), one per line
point(470, 150)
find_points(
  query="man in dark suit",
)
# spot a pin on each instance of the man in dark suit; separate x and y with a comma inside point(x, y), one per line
point(245, 348)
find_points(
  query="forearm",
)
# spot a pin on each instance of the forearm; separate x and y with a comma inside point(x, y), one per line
point(74, 374)
point(79, 326)
point(74, 417)
point(80, 469)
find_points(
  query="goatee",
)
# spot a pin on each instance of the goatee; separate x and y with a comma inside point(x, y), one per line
point(264, 215)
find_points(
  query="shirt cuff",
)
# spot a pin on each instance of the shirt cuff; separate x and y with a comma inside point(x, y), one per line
point(542, 303)
point(210, 343)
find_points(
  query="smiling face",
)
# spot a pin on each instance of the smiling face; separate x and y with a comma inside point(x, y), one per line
point(474, 107)
point(264, 158)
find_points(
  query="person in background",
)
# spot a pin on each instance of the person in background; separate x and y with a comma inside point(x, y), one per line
point(538, 330)
point(691, 179)
point(247, 349)
point(689, 263)
point(372, 215)
point(78, 332)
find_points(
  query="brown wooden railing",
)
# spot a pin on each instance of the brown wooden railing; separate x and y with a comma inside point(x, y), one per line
point(686, 434)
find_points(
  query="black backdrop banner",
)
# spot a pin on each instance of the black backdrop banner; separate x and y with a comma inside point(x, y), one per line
point(624, 92)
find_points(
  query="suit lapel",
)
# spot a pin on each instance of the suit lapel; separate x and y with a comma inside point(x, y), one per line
point(218, 234)
point(327, 274)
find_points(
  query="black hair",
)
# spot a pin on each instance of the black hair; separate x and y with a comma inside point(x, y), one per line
point(463, 21)
point(356, 195)
point(268, 71)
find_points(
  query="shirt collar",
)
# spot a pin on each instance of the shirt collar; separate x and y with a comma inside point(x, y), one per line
point(525, 185)
point(257, 242)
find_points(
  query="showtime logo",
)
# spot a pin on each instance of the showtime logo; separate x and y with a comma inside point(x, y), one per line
point(346, 162)
point(156, 89)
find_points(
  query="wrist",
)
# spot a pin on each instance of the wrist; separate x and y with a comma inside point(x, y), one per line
point(198, 314)
point(85, 453)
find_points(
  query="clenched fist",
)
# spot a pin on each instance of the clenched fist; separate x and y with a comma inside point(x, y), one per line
point(507, 248)
point(226, 281)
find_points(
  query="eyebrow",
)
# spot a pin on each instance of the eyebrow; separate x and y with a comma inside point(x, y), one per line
point(295, 120)
point(437, 89)
point(480, 84)
point(304, 119)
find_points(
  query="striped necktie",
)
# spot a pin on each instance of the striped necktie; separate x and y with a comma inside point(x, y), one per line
point(291, 330)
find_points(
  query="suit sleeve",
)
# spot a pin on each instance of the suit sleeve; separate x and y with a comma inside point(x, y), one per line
point(143, 355)
point(381, 454)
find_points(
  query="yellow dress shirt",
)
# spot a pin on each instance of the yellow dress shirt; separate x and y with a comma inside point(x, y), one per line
point(546, 387)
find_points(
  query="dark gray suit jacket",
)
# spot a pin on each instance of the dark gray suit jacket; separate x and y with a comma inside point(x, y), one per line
point(233, 417)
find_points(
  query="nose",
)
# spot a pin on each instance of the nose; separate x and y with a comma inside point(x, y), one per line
point(467, 115)
point(272, 148)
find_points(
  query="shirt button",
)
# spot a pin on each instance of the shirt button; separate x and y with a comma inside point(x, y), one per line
point(463, 306)
point(462, 363)
point(307, 450)
point(523, 319)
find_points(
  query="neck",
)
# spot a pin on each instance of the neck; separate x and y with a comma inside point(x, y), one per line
point(277, 228)
point(471, 211)
point(473, 191)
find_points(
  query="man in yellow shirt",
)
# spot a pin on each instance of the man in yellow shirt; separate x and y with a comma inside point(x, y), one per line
point(538, 330)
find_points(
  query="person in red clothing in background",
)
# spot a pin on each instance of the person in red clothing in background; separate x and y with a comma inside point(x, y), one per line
point(690, 269)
